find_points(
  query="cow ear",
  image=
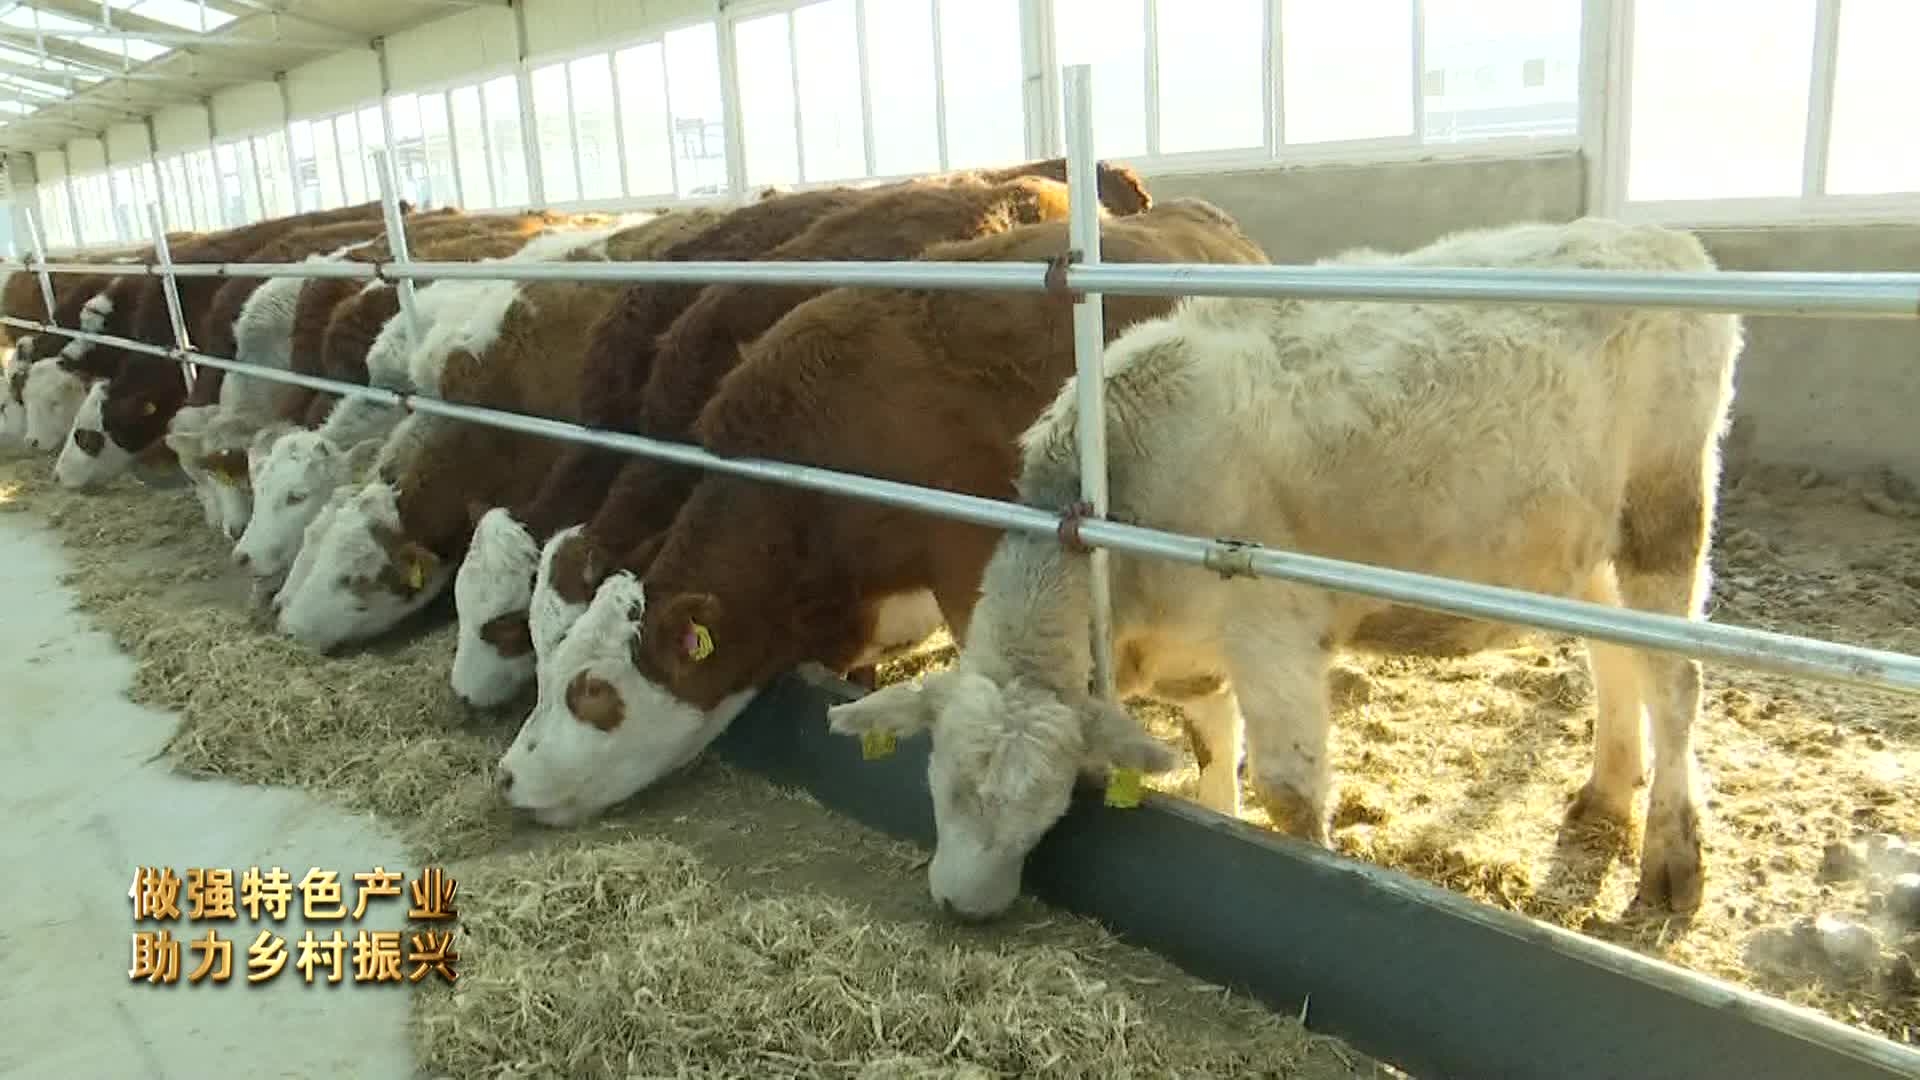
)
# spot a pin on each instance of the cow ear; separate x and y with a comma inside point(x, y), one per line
point(416, 565)
point(906, 708)
point(1114, 738)
point(148, 408)
point(683, 634)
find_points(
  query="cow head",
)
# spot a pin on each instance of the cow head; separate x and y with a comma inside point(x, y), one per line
point(91, 456)
point(1006, 754)
point(571, 567)
point(601, 731)
point(493, 656)
point(365, 574)
point(185, 437)
point(52, 395)
point(292, 474)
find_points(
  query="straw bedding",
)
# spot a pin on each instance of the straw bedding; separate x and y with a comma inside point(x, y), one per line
point(717, 926)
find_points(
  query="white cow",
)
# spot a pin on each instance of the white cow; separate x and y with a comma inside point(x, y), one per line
point(1557, 449)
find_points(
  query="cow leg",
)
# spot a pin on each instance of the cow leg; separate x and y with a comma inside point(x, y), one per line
point(1278, 661)
point(1619, 730)
point(1212, 721)
point(1663, 568)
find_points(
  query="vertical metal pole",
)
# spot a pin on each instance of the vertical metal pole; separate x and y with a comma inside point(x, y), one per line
point(1089, 352)
point(396, 236)
point(38, 240)
point(164, 257)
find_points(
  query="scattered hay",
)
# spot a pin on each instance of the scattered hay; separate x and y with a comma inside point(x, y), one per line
point(587, 956)
point(1460, 772)
point(721, 927)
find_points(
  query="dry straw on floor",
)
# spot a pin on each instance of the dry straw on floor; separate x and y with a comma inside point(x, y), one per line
point(722, 928)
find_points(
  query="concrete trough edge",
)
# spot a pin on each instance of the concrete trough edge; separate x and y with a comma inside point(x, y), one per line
point(1409, 973)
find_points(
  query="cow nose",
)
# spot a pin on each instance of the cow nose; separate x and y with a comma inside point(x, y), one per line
point(502, 780)
point(241, 558)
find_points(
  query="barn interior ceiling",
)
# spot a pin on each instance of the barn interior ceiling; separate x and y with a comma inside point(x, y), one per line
point(71, 68)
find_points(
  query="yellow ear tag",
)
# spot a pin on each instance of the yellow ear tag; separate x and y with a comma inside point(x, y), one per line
point(416, 576)
point(699, 642)
point(876, 744)
point(149, 409)
point(1123, 789)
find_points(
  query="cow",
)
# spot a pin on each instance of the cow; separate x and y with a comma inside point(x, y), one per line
point(393, 543)
point(895, 221)
point(1568, 451)
point(750, 579)
point(51, 393)
point(267, 331)
point(292, 472)
point(128, 408)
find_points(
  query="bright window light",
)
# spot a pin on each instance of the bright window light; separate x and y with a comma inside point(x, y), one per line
point(832, 132)
point(1212, 74)
point(183, 14)
point(906, 136)
point(1347, 70)
point(1871, 149)
point(765, 71)
point(1500, 68)
point(1110, 35)
point(1719, 98)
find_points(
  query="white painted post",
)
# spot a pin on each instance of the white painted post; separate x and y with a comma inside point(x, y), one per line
point(39, 242)
point(396, 235)
point(169, 285)
point(1089, 350)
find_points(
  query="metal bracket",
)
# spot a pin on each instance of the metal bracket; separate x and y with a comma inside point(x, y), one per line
point(1231, 558)
point(1068, 531)
point(1057, 276)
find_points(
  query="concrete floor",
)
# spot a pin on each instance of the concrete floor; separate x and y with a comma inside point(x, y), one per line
point(83, 807)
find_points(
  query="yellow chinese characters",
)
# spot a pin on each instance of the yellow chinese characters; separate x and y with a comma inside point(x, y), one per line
point(266, 895)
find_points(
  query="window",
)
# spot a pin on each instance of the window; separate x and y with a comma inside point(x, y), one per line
point(981, 75)
point(129, 209)
point(1212, 76)
point(204, 194)
point(1719, 104)
point(470, 136)
point(501, 98)
point(1513, 67)
point(1111, 35)
point(443, 176)
point(646, 123)
point(353, 174)
point(409, 152)
point(903, 87)
point(1346, 70)
point(763, 66)
point(276, 184)
point(1871, 149)
point(92, 197)
point(596, 132)
point(236, 184)
point(174, 196)
point(56, 215)
point(553, 119)
point(373, 136)
point(693, 96)
point(832, 127)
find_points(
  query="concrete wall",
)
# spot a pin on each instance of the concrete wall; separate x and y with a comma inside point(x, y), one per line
point(1306, 212)
point(1842, 395)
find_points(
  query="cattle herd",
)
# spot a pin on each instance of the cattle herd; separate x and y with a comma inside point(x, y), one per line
point(640, 605)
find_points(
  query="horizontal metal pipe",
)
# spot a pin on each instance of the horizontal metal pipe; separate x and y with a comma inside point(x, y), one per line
point(1804, 294)
point(1760, 650)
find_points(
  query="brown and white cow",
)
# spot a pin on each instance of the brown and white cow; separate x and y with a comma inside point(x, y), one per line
point(895, 221)
point(927, 387)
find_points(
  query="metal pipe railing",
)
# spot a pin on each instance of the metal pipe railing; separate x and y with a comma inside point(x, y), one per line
point(1090, 368)
point(1760, 650)
point(1738, 292)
